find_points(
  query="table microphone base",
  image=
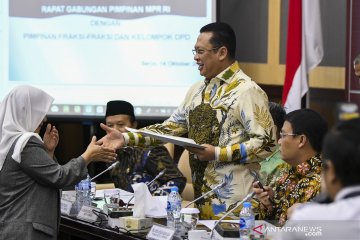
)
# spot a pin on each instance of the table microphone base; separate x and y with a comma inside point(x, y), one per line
point(226, 230)
point(120, 213)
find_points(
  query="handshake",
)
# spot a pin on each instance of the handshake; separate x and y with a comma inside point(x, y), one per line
point(104, 149)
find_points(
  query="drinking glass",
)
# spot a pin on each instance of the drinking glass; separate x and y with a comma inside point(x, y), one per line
point(112, 198)
point(189, 218)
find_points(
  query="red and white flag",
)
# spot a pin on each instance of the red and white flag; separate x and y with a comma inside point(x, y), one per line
point(304, 50)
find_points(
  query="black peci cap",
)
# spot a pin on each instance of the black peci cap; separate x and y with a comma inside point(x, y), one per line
point(118, 107)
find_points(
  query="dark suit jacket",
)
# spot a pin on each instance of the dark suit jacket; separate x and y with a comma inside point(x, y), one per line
point(30, 192)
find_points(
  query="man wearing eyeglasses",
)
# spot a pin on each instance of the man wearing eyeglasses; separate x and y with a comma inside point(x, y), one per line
point(339, 218)
point(300, 145)
point(227, 113)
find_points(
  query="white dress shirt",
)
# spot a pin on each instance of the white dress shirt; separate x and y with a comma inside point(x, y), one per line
point(337, 220)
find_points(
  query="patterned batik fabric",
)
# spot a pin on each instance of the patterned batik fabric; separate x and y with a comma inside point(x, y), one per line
point(231, 113)
point(142, 165)
point(299, 184)
point(271, 168)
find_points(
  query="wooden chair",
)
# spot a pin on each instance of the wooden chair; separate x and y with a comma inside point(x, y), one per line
point(184, 167)
point(171, 149)
point(104, 186)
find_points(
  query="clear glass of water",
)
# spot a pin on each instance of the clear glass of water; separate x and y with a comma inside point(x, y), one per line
point(189, 218)
point(112, 198)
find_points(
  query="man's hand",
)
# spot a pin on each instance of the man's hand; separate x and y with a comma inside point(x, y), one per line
point(265, 197)
point(203, 154)
point(113, 138)
point(51, 139)
point(95, 152)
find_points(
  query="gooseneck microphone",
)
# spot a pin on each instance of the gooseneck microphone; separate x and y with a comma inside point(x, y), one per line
point(222, 184)
point(157, 176)
point(249, 196)
point(148, 184)
point(109, 168)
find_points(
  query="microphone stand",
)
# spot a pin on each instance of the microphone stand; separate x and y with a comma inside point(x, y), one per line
point(207, 193)
point(109, 168)
point(249, 196)
point(148, 184)
point(157, 176)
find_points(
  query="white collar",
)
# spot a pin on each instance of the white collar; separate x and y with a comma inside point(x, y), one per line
point(345, 191)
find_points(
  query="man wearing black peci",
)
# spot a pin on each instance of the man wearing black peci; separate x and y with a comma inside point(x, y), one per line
point(140, 164)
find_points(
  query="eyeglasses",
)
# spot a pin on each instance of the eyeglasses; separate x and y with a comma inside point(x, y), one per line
point(200, 51)
point(282, 134)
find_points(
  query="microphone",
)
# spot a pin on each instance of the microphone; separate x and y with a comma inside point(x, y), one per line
point(220, 185)
point(109, 168)
point(157, 176)
point(249, 196)
point(148, 184)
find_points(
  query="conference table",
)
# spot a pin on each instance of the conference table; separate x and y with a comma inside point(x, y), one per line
point(72, 228)
point(75, 229)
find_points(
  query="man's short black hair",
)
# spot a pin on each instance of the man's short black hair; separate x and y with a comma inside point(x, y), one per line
point(223, 35)
point(278, 114)
point(311, 124)
point(342, 147)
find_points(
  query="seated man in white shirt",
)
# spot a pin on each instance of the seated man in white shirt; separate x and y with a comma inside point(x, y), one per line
point(341, 182)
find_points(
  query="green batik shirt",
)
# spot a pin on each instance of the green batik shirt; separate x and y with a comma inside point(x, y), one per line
point(231, 113)
point(271, 168)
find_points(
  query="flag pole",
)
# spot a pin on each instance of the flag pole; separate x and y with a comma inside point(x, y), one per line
point(307, 95)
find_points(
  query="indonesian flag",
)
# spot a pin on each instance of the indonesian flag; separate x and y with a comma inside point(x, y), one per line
point(304, 50)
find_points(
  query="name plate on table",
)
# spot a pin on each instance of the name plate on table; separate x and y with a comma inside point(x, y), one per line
point(66, 207)
point(86, 213)
point(159, 232)
point(68, 197)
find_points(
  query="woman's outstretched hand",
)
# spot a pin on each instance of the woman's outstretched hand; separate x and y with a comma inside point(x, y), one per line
point(96, 152)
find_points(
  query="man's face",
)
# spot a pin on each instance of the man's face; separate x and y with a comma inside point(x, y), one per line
point(288, 144)
point(207, 56)
point(357, 70)
point(119, 122)
point(38, 129)
point(329, 182)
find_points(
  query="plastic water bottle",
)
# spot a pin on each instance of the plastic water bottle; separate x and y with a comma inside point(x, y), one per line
point(247, 221)
point(83, 193)
point(173, 209)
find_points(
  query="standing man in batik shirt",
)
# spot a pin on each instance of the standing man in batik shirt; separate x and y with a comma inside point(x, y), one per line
point(140, 164)
point(300, 145)
point(227, 113)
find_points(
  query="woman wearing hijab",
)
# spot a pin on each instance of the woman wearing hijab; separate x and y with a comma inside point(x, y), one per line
point(30, 177)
